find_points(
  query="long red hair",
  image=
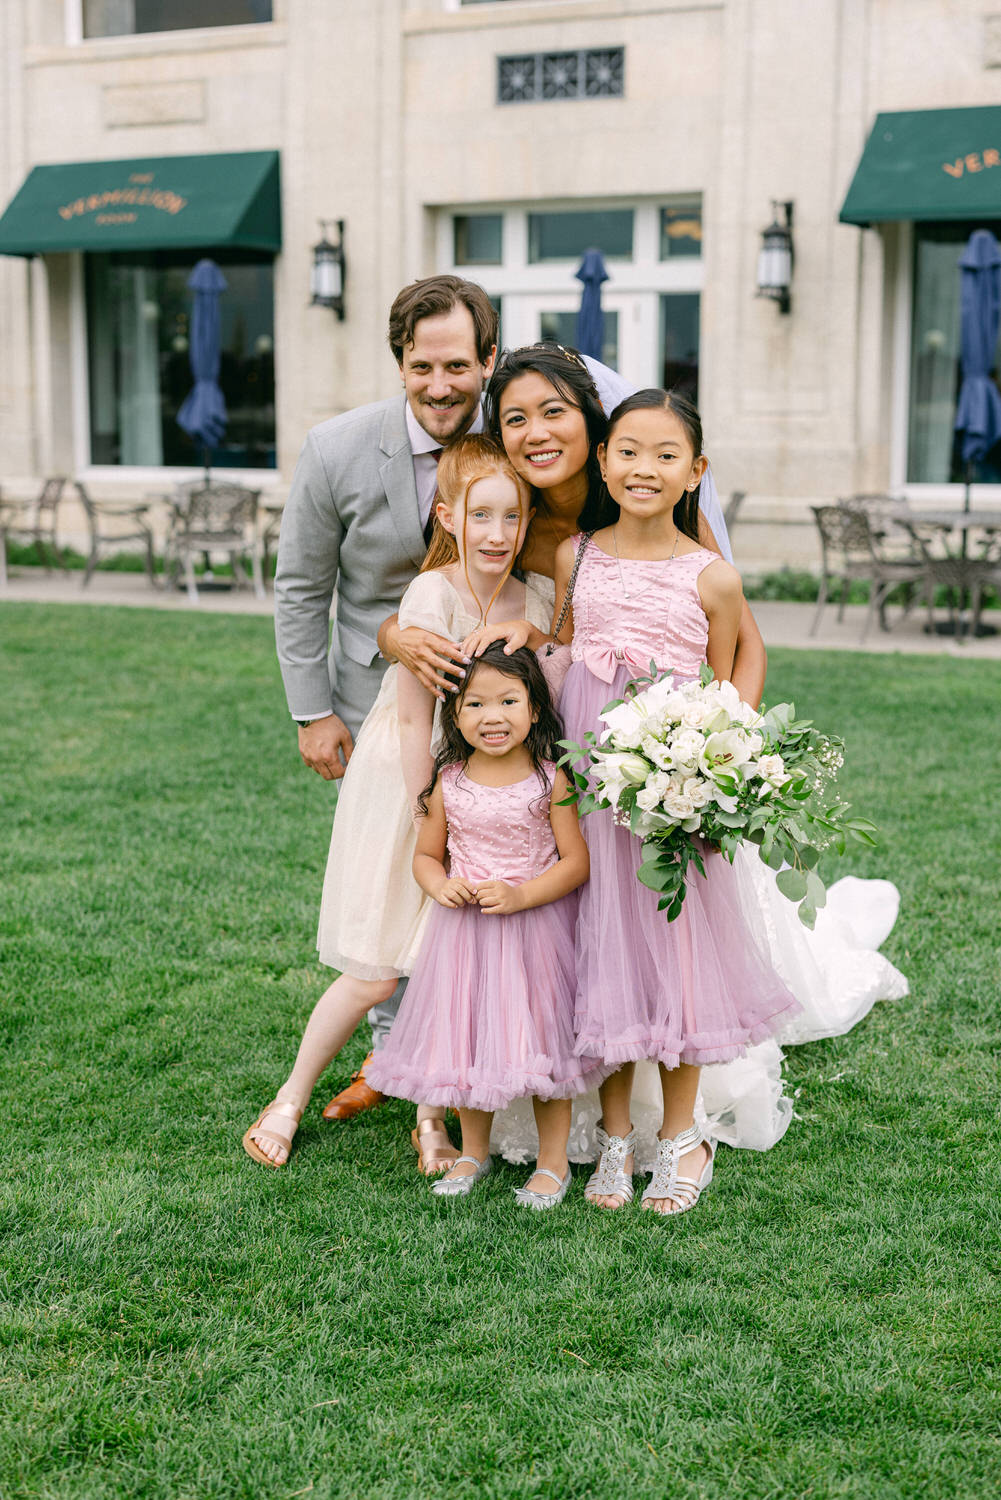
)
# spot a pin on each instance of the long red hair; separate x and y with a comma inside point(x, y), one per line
point(473, 457)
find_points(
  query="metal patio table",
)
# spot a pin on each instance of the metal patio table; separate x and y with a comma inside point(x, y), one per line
point(954, 566)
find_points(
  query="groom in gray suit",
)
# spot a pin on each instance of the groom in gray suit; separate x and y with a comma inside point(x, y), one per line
point(357, 520)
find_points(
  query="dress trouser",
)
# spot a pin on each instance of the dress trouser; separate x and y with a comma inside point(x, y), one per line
point(381, 1017)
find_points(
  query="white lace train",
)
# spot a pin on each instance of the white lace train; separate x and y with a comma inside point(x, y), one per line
point(836, 973)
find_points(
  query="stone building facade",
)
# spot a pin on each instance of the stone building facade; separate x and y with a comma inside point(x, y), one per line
point(500, 138)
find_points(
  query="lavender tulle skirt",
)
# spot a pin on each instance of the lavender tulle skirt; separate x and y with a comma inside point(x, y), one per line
point(697, 990)
point(488, 1013)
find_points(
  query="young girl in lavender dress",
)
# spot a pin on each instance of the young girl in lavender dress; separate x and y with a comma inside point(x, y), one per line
point(488, 1013)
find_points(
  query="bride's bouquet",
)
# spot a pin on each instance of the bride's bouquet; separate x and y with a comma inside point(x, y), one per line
point(693, 765)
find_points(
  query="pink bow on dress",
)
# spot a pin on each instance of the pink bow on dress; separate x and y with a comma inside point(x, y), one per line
point(604, 661)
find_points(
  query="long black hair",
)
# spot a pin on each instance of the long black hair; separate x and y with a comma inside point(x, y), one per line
point(569, 376)
point(601, 510)
point(543, 739)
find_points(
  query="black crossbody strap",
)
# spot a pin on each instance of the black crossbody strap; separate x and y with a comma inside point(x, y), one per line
point(568, 596)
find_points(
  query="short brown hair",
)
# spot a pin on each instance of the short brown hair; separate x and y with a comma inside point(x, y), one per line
point(433, 296)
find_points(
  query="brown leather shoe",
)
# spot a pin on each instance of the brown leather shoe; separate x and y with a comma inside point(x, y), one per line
point(356, 1098)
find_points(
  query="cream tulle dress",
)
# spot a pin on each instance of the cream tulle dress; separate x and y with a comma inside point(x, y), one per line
point(373, 912)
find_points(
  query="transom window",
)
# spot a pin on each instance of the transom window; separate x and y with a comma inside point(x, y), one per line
point(596, 73)
point(526, 255)
point(562, 235)
point(681, 229)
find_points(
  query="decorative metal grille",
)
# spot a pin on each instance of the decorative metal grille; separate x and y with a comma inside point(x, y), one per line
point(587, 74)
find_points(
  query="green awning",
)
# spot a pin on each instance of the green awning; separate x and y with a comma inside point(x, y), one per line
point(147, 203)
point(929, 164)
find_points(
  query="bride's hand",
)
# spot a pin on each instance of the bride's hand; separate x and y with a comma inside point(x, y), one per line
point(515, 632)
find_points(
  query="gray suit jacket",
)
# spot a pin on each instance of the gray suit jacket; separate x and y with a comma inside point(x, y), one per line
point(352, 522)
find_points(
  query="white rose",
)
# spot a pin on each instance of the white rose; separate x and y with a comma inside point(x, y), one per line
point(674, 706)
point(686, 747)
point(695, 714)
point(698, 792)
point(772, 768)
point(648, 799)
point(683, 811)
point(754, 743)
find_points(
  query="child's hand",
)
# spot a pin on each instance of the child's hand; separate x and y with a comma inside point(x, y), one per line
point(497, 898)
point(514, 632)
point(455, 892)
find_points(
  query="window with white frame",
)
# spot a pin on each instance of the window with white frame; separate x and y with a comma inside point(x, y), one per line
point(934, 449)
point(136, 17)
point(525, 256)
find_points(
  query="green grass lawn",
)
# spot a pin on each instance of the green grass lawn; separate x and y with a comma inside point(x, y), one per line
point(180, 1322)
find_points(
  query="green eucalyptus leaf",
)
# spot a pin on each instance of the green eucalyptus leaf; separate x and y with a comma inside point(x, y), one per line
point(792, 884)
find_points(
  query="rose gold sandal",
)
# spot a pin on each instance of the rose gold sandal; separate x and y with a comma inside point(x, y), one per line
point(276, 1107)
point(433, 1159)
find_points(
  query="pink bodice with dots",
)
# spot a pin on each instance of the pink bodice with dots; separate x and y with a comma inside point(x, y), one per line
point(631, 612)
point(498, 832)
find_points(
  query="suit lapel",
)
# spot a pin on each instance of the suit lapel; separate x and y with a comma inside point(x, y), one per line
point(397, 476)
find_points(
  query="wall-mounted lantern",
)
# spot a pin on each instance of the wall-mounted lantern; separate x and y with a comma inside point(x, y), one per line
point(775, 259)
point(326, 281)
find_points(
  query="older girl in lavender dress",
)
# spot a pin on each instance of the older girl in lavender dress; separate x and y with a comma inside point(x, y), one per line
point(701, 989)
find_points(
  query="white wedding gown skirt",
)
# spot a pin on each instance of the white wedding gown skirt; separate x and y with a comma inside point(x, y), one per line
point(836, 973)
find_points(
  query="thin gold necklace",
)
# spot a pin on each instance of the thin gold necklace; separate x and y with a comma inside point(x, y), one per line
point(618, 563)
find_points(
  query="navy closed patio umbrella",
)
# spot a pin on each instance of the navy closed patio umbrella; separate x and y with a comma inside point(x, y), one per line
point(590, 319)
point(203, 414)
point(978, 414)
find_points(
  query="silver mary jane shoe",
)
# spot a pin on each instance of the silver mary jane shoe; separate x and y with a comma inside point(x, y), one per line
point(665, 1182)
point(461, 1187)
point(528, 1198)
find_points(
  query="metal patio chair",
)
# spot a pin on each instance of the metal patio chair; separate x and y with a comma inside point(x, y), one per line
point(214, 518)
point(34, 522)
point(138, 529)
point(852, 549)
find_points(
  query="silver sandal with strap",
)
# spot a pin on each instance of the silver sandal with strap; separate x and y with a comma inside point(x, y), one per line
point(610, 1178)
point(664, 1180)
point(460, 1187)
point(529, 1198)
